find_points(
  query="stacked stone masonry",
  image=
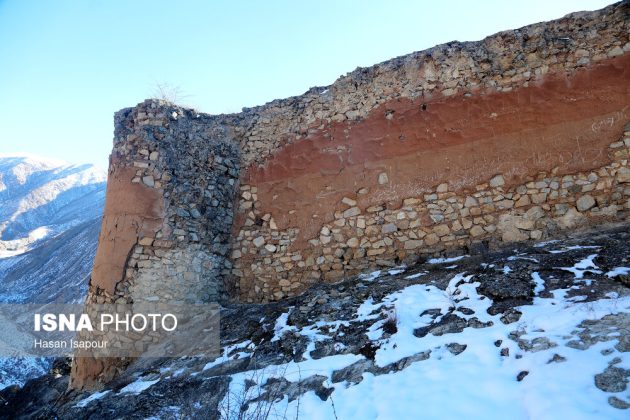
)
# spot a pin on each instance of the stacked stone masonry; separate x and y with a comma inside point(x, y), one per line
point(507, 139)
point(188, 176)
point(424, 184)
point(377, 236)
point(516, 137)
point(167, 222)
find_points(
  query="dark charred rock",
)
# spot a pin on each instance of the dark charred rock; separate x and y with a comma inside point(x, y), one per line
point(475, 323)
point(369, 350)
point(465, 311)
point(618, 403)
point(433, 313)
point(508, 290)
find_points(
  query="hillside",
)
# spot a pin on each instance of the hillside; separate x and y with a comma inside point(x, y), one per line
point(513, 334)
point(40, 198)
point(50, 214)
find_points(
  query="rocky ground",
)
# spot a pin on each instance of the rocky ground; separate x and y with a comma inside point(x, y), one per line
point(534, 331)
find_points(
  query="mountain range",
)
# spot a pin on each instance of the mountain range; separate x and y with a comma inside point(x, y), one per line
point(50, 216)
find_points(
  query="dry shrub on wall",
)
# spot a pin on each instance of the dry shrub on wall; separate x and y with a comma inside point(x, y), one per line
point(170, 93)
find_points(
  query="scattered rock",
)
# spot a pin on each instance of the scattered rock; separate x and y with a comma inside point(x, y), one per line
point(536, 345)
point(618, 403)
point(612, 379)
point(353, 373)
point(521, 375)
point(510, 316)
point(557, 359)
point(456, 348)
point(449, 324)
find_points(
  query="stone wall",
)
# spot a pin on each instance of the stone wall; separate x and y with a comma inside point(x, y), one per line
point(516, 137)
point(500, 63)
point(389, 161)
point(361, 238)
point(167, 159)
point(327, 174)
point(167, 220)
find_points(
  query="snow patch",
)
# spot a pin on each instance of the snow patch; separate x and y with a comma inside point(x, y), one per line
point(584, 266)
point(396, 270)
point(281, 327)
point(138, 387)
point(618, 271)
point(445, 260)
point(96, 396)
point(370, 276)
point(540, 283)
point(572, 248)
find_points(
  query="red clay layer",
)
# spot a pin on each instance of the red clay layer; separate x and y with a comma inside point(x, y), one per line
point(132, 211)
point(561, 122)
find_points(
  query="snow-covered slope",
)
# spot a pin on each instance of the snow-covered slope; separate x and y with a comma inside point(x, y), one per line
point(50, 214)
point(55, 270)
point(40, 198)
point(535, 332)
point(49, 219)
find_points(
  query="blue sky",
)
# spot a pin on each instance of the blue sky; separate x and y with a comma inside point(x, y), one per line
point(67, 66)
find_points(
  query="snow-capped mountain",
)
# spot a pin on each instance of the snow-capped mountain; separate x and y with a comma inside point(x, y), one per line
point(50, 215)
point(40, 198)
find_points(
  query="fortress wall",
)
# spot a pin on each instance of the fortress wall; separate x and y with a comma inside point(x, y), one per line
point(377, 168)
point(516, 137)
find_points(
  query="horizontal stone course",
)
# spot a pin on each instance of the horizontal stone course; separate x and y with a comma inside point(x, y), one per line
point(368, 239)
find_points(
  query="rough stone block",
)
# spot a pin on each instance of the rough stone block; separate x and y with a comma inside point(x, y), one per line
point(351, 212)
point(383, 178)
point(413, 244)
point(585, 202)
point(497, 181)
point(623, 174)
point(388, 228)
